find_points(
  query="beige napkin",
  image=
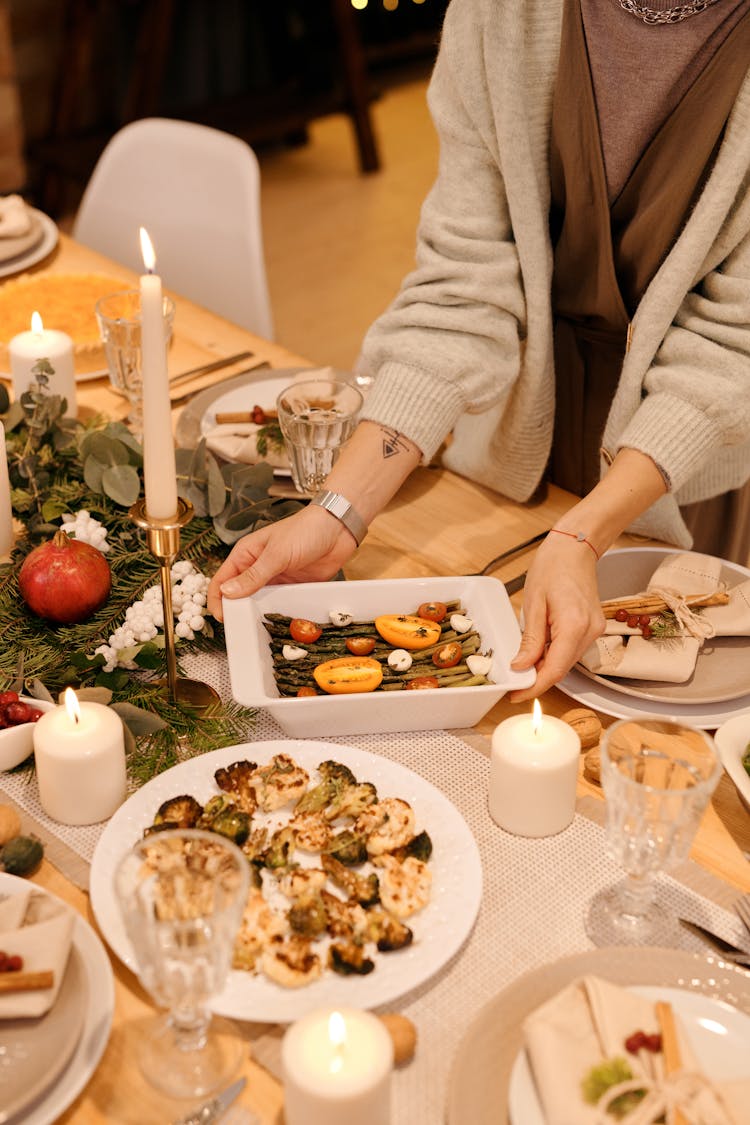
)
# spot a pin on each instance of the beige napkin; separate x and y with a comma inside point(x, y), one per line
point(40, 929)
point(588, 1022)
point(15, 218)
point(238, 442)
point(623, 651)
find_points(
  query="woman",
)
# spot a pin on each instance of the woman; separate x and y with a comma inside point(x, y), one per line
point(580, 306)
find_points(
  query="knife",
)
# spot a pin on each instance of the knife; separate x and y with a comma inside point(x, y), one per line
point(257, 363)
point(732, 952)
point(516, 583)
point(212, 1110)
point(207, 368)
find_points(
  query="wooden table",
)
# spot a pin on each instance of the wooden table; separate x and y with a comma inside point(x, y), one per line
point(438, 524)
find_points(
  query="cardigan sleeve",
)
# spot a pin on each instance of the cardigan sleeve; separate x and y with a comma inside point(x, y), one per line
point(450, 341)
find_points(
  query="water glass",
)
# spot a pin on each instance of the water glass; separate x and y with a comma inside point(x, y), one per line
point(658, 776)
point(317, 417)
point(119, 318)
point(182, 893)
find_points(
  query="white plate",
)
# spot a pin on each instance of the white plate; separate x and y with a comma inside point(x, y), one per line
point(97, 1021)
point(718, 1034)
point(479, 1088)
point(38, 251)
point(251, 668)
point(732, 740)
point(722, 670)
point(439, 930)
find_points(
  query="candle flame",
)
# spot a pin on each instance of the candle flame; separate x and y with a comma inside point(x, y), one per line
point(536, 717)
point(36, 322)
point(147, 250)
point(72, 706)
point(337, 1036)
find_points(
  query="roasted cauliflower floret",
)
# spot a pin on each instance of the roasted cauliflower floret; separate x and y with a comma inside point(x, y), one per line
point(279, 783)
point(345, 919)
point(302, 880)
point(291, 962)
point(312, 831)
point(237, 781)
point(364, 889)
point(258, 926)
point(404, 887)
point(387, 932)
point(388, 824)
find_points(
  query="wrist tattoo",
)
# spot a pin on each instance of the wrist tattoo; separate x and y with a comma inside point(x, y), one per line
point(393, 443)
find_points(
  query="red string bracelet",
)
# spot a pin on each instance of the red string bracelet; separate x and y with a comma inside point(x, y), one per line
point(578, 535)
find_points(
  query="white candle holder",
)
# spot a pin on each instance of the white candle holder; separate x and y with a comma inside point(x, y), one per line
point(163, 541)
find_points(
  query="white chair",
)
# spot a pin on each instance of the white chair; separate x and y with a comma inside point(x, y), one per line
point(196, 190)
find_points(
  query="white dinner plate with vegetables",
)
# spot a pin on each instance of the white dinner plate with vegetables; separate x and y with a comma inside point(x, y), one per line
point(439, 928)
point(488, 1085)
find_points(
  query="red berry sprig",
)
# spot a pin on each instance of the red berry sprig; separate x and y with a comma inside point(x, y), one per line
point(636, 621)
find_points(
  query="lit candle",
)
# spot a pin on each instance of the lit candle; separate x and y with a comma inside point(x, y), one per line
point(79, 752)
point(43, 343)
point(159, 472)
point(533, 774)
point(6, 511)
point(337, 1068)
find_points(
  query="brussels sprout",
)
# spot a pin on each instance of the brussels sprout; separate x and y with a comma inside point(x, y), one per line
point(349, 958)
point(348, 848)
point(280, 848)
point(420, 847)
point(181, 812)
point(307, 915)
point(364, 889)
point(21, 855)
point(387, 932)
point(232, 823)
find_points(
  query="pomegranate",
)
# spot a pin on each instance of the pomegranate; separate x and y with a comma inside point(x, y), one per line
point(64, 580)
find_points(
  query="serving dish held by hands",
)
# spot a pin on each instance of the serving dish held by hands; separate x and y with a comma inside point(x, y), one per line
point(483, 599)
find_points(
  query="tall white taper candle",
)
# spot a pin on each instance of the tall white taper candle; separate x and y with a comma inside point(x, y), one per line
point(159, 471)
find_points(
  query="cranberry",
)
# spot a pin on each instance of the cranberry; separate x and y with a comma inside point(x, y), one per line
point(14, 964)
point(636, 1042)
point(632, 621)
point(644, 619)
point(17, 713)
point(653, 1043)
point(621, 615)
point(3, 960)
point(647, 632)
point(35, 714)
point(8, 697)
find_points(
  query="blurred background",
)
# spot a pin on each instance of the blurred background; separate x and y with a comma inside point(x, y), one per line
point(330, 94)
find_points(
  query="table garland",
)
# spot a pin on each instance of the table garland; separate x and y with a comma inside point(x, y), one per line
point(59, 469)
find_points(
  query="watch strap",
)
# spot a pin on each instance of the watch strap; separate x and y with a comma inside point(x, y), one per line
point(340, 507)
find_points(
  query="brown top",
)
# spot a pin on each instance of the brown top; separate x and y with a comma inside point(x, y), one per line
point(640, 72)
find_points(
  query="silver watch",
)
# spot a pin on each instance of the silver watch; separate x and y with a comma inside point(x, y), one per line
point(340, 507)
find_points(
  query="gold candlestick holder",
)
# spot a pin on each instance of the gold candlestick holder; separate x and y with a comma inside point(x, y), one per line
point(163, 541)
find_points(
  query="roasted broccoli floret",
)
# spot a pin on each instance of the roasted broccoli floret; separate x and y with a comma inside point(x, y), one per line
point(236, 780)
point(233, 823)
point(364, 889)
point(347, 958)
point(420, 847)
point(348, 848)
point(352, 800)
point(280, 848)
point(337, 771)
point(387, 932)
point(307, 915)
point(336, 780)
point(179, 812)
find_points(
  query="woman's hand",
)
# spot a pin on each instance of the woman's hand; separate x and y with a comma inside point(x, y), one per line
point(562, 612)
point(310, 546)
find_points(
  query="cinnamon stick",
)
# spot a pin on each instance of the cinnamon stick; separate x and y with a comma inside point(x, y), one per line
point(670, 1047)
point(651, 603)
point(229, 416)
point(26, 982)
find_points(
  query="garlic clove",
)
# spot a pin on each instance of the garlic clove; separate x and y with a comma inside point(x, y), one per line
point(479, 663)
point(460, 623)
point(292, 652)
point(400, 660)
point(340, 618)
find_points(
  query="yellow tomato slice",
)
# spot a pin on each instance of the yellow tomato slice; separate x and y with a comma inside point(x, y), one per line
point(348, 674)
point(403, 630)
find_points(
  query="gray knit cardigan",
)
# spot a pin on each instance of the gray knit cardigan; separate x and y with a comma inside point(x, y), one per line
point(467, 343)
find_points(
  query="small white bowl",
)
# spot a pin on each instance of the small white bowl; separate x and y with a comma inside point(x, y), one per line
point(16, 743)
point(251, 670)
point(732, 739)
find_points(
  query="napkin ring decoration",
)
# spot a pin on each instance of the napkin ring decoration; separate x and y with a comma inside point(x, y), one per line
point(340, 507)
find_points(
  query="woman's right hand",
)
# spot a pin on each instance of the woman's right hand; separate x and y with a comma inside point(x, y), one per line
point(310, 546)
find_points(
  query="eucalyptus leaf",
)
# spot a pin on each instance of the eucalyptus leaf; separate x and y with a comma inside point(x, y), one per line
point(138, 720)
point(37, 690)
point(93, 470)
point(107, 449)
point(122, 484)
point(191, 491)
point(52, 508)
point(217, 490)
point(198, 462)
point(95, 695)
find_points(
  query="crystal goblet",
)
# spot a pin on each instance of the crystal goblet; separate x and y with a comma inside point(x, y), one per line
point(119, 319)
point(182, 893)
point(658, 776)
point(317, 417)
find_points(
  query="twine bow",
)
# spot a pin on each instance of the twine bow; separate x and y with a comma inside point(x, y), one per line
point(688, 620)
point(683, 1090)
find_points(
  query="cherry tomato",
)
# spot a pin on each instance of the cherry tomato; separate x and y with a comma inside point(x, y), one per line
point(306, 689)
point(303, 631)
point(622, 615)
point(421, 683)
point(432, 611)
point(348, 674)
point(448, 655)
point(404, 630)
point(360, 646)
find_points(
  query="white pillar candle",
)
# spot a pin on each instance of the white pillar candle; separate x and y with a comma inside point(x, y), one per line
point(43, 343)
point(337, 1068)
point(159, 472)
point(6, 511)
point(533, 774)
point(79, 752)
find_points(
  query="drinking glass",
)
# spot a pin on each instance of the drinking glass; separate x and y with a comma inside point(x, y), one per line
point(119, 318)
point(182, 893)
point(658, 776)
point(317, 417)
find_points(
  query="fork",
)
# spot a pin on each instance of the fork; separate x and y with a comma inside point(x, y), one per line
point(742, 906)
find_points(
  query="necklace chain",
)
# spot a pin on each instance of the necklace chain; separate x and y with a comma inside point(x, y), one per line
point(665, 15)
